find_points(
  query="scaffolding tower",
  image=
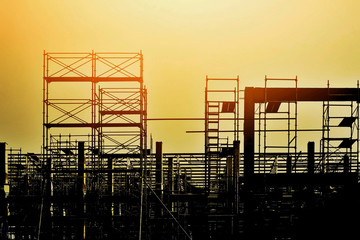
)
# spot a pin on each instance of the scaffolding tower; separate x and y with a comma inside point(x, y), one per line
point(100, 99)
point(273, 157)
point(340, 134)
point(219, 102)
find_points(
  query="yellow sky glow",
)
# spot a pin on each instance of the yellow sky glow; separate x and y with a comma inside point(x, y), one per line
point(182, 42)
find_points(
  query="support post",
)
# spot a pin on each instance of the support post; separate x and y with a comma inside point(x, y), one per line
point(109, 222)
point(311, 157)
point(346, 164)
point(236, 174)
point(80, 184)
point(2, 165)
point(249, 130)
point(249, 135)
point(158, 176)
point(229, 172)
point(3, 202)
point(288, 164)
point(170, 174)
point(110, 180)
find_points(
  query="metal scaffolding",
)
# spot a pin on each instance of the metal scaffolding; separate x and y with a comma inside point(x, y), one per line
point(273, 157)
point(340, 135)
point(110, 120)
point(219, 102)
point(96, 178)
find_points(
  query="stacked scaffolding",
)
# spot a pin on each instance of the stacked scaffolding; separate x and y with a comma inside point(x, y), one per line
point(109, 144)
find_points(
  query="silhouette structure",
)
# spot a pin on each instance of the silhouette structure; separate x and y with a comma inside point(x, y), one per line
point(97, 177)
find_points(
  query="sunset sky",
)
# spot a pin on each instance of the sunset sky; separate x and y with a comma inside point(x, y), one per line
point(182, 42)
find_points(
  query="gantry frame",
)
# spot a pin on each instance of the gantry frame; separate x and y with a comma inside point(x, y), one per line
point(257, 95)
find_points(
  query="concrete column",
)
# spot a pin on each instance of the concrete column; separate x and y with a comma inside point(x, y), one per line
point(249, 129)
point(170, 174)
point(288, 164)
point(79, 190)
point(110, 181)
point(3, 202)
point(158, 175)
point(236, 175)
point(229, 172)
point(2, 165)
point(311, 157)
point(346, 164)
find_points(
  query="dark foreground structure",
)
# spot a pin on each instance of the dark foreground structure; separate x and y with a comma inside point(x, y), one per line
point(98, 178)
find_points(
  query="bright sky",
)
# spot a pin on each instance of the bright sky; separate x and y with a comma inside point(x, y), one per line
point(182, 42)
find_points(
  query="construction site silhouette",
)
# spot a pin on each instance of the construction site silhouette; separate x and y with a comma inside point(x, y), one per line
point(99, 176)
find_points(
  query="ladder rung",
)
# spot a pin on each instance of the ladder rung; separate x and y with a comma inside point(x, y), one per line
point(336, 139)
point(336, 117)
point(280, 146)
point(338, 105)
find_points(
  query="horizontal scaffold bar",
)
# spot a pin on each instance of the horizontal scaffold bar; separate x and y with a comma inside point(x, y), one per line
point(93, 79)
point(96, 170)
point(93, 125)
point(120, 112)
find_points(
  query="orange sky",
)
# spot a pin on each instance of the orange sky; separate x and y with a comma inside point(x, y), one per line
point(182, 42)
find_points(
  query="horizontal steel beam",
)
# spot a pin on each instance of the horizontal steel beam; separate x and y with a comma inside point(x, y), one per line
point(303, 94)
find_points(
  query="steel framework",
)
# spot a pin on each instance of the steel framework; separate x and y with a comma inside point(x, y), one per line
point(96, 179)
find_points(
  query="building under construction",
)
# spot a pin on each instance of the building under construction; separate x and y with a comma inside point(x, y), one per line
point(98, 176)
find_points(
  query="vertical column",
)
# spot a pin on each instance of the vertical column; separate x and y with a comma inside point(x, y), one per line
point(3, 202)
point(236, 173)
point(311, 161)
point(288, 164)
point(249, 132)
point(110, 191)
point(80, 184)
point(142, 123)
point(46, 214)
point(170, 174)
point(110, 180)
point(158, 230)
point(207, 175)
point(236, 158)
point(346, 164)
point(2, 165)
point(158, 176)
point(229, 171)
point(170, 183)
point(249, 129)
